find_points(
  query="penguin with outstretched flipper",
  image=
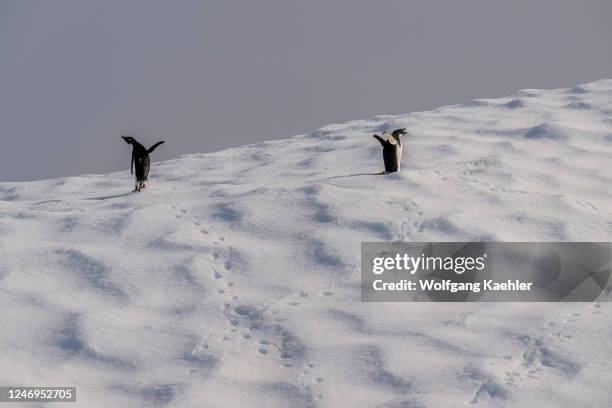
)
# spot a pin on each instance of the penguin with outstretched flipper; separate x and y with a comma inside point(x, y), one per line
point(141, 160)
point(392, 149)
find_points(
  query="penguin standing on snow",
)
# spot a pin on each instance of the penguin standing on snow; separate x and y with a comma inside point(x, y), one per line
point(140, 157)
point(392, 149)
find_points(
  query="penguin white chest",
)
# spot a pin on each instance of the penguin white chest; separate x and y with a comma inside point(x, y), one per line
point(398, 156)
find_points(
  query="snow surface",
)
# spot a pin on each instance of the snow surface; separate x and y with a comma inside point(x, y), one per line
point(233, 279)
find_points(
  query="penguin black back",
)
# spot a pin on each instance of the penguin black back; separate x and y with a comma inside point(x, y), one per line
point(140, 160)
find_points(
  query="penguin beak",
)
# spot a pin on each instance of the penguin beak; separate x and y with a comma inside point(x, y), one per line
point(126, 139)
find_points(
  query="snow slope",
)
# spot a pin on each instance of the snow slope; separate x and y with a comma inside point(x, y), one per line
point(233, 280)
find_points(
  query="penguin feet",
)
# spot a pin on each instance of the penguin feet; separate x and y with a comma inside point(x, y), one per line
point(138, 187)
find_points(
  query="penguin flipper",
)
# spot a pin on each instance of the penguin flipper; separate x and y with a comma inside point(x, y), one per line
point(154, 146)
point(382, 142)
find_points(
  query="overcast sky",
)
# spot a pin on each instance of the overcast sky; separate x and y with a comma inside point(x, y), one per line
point(208, 74)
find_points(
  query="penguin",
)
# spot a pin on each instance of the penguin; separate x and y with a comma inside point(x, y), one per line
point(392, 149)
point(140, 156)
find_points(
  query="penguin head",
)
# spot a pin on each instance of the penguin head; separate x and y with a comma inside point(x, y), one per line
point(399, 132)
point(128, 139)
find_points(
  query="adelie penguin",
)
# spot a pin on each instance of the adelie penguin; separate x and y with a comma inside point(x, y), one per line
point(140, 157)
point(392, 149)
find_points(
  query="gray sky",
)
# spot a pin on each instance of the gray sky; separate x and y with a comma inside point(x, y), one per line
point(209, 74)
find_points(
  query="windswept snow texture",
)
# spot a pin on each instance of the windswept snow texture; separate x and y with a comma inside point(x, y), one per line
point(233, 279)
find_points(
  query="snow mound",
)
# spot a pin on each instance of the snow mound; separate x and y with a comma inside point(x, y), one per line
point(547, 131)
point(233, 279)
